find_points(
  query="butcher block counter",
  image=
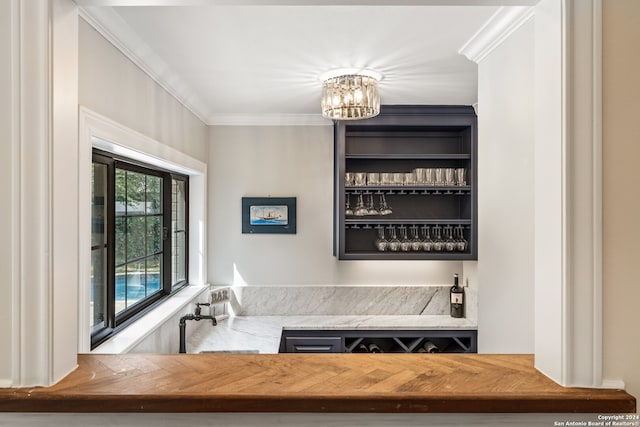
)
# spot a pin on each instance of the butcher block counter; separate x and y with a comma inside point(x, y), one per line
point(401, 383)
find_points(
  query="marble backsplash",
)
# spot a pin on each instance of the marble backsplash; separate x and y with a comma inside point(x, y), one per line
point(345, 300)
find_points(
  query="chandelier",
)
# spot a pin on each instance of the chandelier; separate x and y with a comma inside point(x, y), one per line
point(350, 95)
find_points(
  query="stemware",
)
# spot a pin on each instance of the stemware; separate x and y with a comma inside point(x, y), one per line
point(421, 176)
point(347, 208)
point(449, 243)
point(461, 242)
point(394, 243)
point(439, 176)
point(386, 178)
point(360, 179)
point(427, 243)
point(438, 243)
point(384, 208)
point(416, 243)
point(370, 209)
point(449, 176)
point(361, 209)
point(405, 243)
point(461, 176)
point(409, 179)
point(349, 178)
point(381, 243)
point(429, 176)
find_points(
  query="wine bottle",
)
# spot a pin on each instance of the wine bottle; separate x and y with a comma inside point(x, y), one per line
point(373, 348)
point(430, 347)
point(457, 298)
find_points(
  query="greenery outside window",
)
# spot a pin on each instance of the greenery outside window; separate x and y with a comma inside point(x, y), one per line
point(139, 240)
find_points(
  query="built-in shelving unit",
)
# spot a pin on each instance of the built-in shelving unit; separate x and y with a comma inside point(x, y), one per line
point(379, 341)
point(407, 140)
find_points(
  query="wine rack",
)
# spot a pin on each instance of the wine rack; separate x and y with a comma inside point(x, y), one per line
point(401, 141)
point(379, 341)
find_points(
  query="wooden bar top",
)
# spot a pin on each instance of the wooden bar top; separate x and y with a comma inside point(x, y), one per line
point(439, 383)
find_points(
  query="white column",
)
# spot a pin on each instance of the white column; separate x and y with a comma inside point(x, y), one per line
point(568, 190)
point(40, 195)
point(567, 181)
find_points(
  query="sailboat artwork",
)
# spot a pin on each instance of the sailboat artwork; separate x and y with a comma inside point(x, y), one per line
point(268, 215)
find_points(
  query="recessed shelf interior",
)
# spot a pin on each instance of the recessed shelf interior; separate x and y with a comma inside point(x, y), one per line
point(399, 141)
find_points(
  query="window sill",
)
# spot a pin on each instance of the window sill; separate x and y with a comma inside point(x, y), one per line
point(128, 338)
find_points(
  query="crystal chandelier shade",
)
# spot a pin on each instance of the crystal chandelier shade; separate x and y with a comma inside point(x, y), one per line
point(350, 97)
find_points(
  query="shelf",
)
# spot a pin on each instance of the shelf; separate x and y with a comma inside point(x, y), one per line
point(409, 256)
point(409, 156)
point(405, 189)
point(396, 222)
point(397, 141)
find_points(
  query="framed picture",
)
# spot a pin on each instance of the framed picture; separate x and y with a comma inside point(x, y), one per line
point(269, 215)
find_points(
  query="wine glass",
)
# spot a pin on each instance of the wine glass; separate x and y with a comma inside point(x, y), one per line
point(405, 243)
point(384, 208)
point(381, 243)
point(416, 243)
point(449, 244)
point(370, 209)
point(461, 243)
point(361, 209)
point(347, 208)
point(438, 243)
point(394, 243)
point(427, 243)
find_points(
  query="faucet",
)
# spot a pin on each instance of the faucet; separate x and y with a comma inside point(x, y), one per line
point(197, 316)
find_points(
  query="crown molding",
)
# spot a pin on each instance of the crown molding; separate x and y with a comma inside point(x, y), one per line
point(497, 29)
point(112, 27)
point(268, 120)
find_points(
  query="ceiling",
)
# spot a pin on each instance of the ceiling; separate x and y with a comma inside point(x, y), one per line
point(259, 63)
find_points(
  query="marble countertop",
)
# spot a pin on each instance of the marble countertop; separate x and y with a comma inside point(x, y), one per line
point(262, 333)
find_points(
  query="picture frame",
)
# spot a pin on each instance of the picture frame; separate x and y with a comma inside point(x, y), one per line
point(269, 215)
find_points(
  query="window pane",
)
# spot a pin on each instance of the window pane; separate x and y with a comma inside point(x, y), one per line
point(154, 273)
point(178, 198)
point(136, 191)
point(136, 283)
point(121, 241)
point(121, 288)
point(98, 281)
point(121, 192)
point(98, 288)
point(98, 208)
point(178, 258)
point(154, 194)
point(178, 235)
point(154, 235)
point(136, 237)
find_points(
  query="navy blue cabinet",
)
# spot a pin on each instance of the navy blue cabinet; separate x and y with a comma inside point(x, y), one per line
point(379, 341)
point(407, 176)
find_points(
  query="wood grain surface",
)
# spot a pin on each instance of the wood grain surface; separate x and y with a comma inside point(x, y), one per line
point(442, 383)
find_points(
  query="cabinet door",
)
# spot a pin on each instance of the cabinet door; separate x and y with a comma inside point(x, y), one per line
point(313, 344)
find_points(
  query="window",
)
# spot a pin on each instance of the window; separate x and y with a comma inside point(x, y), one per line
point(138, 241)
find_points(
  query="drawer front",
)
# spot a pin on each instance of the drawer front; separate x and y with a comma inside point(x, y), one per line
point(313, 344)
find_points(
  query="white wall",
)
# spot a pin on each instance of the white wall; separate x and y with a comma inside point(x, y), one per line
point(6, 173)
point(505, 196)
point(39, 149)
point(621, 151)
point(112, 85)
point(288, 161)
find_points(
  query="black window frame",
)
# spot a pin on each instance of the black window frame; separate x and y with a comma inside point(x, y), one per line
point(115, 322)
